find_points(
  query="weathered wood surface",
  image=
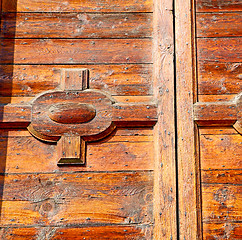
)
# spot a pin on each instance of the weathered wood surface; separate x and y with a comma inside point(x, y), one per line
point(222, 113)
point(216, 98)
point(226, 149)
point(87, 198)
point(219, 24)
point(189, 207)
point(221, 203)
point(230, 230)
point(76, 25)
point(73, 51)
point(218, 5)
point(29, 80)
point(75, 6)
point(165, 201)
point(125, 232)
point(222, 176)
point(219, 50)
point(219, 78)
point(127, 150)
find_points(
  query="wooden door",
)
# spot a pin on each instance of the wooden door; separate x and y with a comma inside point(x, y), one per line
point(120, 119)
point(86, 79)
point(209, 88)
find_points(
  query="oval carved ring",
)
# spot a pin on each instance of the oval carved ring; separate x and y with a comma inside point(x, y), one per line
point(72, 113)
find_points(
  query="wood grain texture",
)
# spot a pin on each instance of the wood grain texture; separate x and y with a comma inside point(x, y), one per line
point(225, 148)
point(219, 50)
point(221, 203)
point(222, 176)
point(129, 149)
point(189, 207)
point(212, 231)
point(212, 113)
point(73, 51)
point(218, 5)
point(75, 6)
point(125, 232)
point(164, 133)
point(219, 24)
point(216, 98)
point(219, 78)
point(79, 198)
point(29, 80)
point(76, 25)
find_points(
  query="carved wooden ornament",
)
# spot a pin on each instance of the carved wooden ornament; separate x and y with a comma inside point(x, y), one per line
point(227, 113)
point(75, 114)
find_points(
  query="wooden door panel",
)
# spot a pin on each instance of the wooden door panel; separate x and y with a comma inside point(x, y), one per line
point(112, 195)
point(219, 80)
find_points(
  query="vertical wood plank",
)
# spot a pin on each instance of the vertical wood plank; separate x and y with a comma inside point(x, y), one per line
point(165, 162)
point(186, 95)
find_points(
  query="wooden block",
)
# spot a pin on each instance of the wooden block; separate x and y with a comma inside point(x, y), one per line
point(71, 150)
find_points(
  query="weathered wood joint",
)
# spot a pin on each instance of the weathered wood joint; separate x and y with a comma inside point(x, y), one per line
point(74, 114)
point(227, 113)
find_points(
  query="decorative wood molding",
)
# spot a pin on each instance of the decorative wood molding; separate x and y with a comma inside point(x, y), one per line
point(75, 114)
point(228, 113)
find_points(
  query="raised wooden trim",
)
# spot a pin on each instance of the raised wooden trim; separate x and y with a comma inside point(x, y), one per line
point(164, 132)
point(187, 161)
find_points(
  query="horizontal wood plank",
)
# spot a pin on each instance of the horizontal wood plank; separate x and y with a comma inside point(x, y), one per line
point(76, 25)
point(75, 6)
point(78, 198)
point(212, 231)
point(219, 50)
point(219, 78)
point(222, 176)
point(217, 131)
point(218, 5)
point(29, 80)
point(221, 203)
point(27, 154)
point(125, 232)
point(216, 98)
point(221, 151)
point(219, 24)
point(73, 51)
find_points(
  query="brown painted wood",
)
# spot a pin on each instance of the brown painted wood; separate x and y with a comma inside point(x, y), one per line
point(75, 6)
point(219, 50)
point(73, 51)
point(219, 24)
point(219, 78)
point(221, 203)
point(78, 198)
point(76, 25)
point(29, 80)
point(138, 232)
point(223, 230)
point(165, 202)
point(218, 5)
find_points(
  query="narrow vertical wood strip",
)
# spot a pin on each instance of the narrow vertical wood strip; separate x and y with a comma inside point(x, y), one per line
point(165, 163)
point(186, 95)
